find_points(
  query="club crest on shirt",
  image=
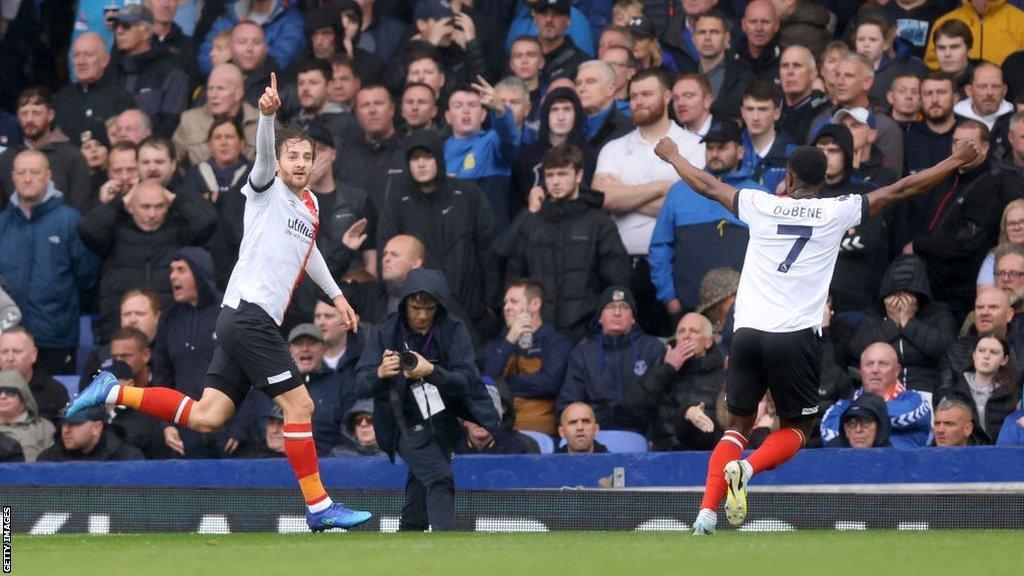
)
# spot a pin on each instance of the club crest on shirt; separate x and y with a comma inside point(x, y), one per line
point(640, 367)
point(469, 162)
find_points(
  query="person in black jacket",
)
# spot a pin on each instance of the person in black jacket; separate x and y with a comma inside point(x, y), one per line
point(567, 243)
point(373, 160)
point(86, 436)
point(137, 235)
point(918, 327)
point(728, 77)
point(992, 381)
point(993, 314)
point(417, 407)
point(453, 220)
point(86, 104)
point(148, 70)
point(184, 346)
point(865, 424)
point(684, 389)
point(864, 253)
point(962, 224)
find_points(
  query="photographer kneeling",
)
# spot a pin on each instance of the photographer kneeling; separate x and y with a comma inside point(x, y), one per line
point(419, 368)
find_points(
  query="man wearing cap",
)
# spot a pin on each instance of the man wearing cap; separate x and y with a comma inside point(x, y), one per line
point(864, 252)
point(281, 23)
point(19, 416)
point(224, 97)
point(86, 437)
point(332, 396)
point(569, 245)
point(45, 266)
point(561, 55)
point(867, 162)
point(865, 424)
point(67, 166)
point(908, 411)
point(604, 369)
point(694, 234)
point(453, 220)
point(94, 97)
point(418, 367)
point(524, 24)
point(148, 70)
point(635, 184)
point(272, 443)
point(334, 29)
point(184, 346)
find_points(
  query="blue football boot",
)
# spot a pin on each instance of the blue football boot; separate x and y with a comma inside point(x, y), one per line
point(95, 394)
point(336, 516)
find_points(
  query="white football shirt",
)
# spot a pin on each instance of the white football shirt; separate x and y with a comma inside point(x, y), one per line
point(790, 257)
point(280, 233)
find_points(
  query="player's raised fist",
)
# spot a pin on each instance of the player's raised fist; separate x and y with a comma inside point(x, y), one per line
point(270, 101)
point(965, 151)
point(666, 149)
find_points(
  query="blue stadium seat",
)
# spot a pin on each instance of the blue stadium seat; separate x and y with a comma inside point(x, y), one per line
point(86, 341)
point(546, 444)
point(622, 441)
point(70, 382)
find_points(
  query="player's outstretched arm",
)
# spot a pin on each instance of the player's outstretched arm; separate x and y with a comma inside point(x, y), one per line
point(265, 166)
point(702, 183)
point(920, 182)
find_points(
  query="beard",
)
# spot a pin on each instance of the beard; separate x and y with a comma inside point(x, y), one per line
point(646, 117)
point(937, 118)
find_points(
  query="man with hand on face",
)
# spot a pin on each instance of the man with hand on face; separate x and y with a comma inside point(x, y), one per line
point(685, 388)
point(418, 366)
point(573, 273)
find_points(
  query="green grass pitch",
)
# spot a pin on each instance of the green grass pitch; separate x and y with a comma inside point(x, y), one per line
point(827, 553)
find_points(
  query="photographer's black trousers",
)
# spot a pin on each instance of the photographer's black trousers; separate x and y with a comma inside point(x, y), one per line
point(430, 489)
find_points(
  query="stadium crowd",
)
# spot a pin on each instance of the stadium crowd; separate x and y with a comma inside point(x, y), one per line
point(509, 145)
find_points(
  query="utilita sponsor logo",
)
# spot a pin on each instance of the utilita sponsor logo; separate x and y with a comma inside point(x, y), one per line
point(300, 226)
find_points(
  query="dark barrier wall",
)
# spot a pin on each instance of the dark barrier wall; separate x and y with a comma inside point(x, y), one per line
point(677, 469)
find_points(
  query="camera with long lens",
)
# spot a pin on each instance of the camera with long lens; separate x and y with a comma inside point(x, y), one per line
point(408, 361)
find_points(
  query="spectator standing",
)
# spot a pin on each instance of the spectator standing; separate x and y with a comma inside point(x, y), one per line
point(692, 100)
point(45, 266)
point(804, 23)
point(1003, 22)
point(326, 387)
point(281, 26)
point(562, 56)
point(18, 352)
point(140, 309)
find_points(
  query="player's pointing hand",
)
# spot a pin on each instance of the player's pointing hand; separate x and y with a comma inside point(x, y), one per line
point(270, 101)
point(666, 149)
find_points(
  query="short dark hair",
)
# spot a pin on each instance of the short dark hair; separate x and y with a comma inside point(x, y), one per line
point(808, 164)
point(561, 156)
point(131, 333)
point(21, 330)
point(125, 146)
point(425, 55)
point(954, 28)
point(376, 86)
point(715, 14)
point(160, 143)
point(289, 132)
point(763, 91)
point(313, 65)
point(420, 85)
point(983, 132)
point(940, 76)
point(531, 287)
point(663, 76)
point(875, 20)
point(219, 121)
point(36, 95)
point(343, 59)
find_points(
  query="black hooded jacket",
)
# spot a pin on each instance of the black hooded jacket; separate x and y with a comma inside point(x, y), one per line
point(527, 171)
point(574, 250)
point(160, 87)
point(455, 224)
point(873, 404)
point(184, 345)
point(865, 250)
point(922, 343)
point(446, 345)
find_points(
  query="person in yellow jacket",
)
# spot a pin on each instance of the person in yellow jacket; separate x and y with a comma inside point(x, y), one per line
point(997, 26)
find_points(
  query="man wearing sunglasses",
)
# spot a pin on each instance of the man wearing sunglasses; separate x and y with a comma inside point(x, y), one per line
point(19, 416)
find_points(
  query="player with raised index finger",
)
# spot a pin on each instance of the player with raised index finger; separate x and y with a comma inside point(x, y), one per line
point(794, 243)
point(278, 246)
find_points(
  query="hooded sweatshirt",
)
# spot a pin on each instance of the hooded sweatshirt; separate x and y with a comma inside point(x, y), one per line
point(922, 343)
point(349, 445)
point(964, 109)
point(34, 433)
point(455, 224)
point(876, 407)
point(448, 347)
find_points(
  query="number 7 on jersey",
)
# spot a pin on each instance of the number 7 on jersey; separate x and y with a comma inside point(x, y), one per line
point(803, 234)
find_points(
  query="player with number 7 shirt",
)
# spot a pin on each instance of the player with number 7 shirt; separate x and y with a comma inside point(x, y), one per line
point(792, 252)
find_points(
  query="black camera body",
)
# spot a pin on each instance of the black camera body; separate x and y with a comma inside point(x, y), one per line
point(407, 360)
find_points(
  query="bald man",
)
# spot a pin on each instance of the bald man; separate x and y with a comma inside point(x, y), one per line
point(373, 301)
point(43, 263)
point(910, 411)
point(993, 314)
point(137, 235)
point(758, 47)
point(224, 97)
point(801, 103)
point(85, 105)
point(578, 427)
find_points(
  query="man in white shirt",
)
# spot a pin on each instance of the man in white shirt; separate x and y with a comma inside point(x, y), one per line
point(634, 182)
point(279, 245)
point(790, 259)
